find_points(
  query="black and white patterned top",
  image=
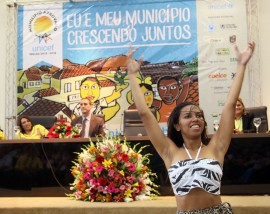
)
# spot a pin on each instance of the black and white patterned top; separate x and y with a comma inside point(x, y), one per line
point(201, 173)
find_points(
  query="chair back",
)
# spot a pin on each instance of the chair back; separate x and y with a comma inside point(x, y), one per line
point(260, 111)
point(133, 125)
point(46, 121)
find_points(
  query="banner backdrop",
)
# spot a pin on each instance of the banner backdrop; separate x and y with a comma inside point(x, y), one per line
point(74, 50)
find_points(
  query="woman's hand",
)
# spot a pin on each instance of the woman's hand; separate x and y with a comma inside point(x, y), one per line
point(133, 65)
point(244, 56)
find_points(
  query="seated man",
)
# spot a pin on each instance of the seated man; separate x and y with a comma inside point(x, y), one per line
point(91, 124)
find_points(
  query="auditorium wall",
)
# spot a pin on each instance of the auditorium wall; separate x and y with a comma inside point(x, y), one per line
point(263, 45)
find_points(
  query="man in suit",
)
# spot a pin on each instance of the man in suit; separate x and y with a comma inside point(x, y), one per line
point(91, 124)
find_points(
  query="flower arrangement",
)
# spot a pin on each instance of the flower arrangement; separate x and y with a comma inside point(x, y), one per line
point(63, 130)
point(111, 171)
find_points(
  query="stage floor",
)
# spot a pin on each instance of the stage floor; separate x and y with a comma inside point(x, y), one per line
point(162, 205)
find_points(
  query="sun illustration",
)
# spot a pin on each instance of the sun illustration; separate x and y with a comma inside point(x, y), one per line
point(43, 25)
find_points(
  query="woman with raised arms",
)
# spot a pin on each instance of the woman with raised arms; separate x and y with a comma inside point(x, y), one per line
point(194, 164)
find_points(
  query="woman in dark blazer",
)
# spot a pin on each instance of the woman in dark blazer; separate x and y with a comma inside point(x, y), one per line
point(243, 122)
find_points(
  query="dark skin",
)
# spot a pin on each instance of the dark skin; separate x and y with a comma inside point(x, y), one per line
point(191, 127)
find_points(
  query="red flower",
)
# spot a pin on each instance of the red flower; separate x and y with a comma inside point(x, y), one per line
point(132, 167)
point(76, 135)
point(125, 157)
point(99, 159)
point(102, 181)
point(63, 129)
point(111, 189)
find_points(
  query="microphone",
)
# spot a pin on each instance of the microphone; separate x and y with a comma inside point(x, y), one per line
point(121, 125)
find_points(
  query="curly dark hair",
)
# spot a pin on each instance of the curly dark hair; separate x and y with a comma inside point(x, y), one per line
point(175, 135)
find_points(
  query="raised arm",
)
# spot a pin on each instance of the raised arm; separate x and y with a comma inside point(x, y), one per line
point(156, 136)
point(223, 136)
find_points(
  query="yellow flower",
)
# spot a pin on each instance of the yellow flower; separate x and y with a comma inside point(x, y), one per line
point(75, 172)
point(128, 193)
point(144, 168)
point(92, 149)
point(135, 184)
point(107, 163)
point(122, 172)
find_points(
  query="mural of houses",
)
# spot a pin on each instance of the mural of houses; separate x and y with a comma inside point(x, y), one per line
point(193, 94)
point(21, 104)
point(45, 93)
point(155, 71)
point(62, 86)
point(31, 78)
point(43, 107)
point(65, 84)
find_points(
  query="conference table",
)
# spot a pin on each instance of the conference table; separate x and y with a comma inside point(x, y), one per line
point(144, 139)
point(246, 166)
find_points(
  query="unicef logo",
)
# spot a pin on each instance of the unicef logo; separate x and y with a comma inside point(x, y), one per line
point(43, 24)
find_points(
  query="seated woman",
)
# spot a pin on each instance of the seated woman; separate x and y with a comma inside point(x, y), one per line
point(243, 122)
point(28, 131)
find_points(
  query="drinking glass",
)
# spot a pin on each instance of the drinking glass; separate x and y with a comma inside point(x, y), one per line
point(17, 130)
point(216, 125)
point(79, 127)
point(257, 122)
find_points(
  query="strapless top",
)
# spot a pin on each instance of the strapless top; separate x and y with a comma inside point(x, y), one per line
point(202, 173)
